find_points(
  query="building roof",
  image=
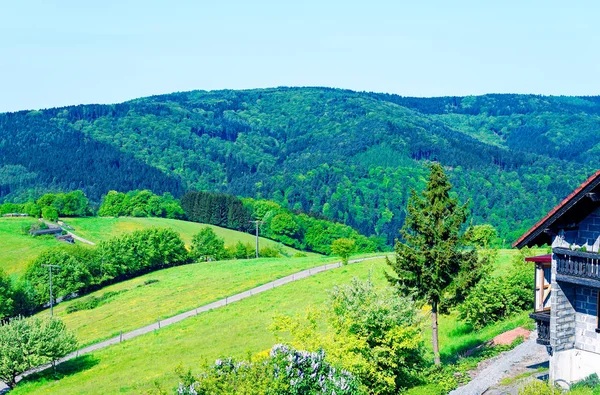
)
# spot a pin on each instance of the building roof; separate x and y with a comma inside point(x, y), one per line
point(540, 258)
point(530, 237)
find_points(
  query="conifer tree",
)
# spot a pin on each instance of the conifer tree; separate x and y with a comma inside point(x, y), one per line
point(432, 265)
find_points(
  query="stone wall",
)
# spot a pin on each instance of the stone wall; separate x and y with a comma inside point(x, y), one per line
point(588, 234)
point(562, 318)
point(586, 321)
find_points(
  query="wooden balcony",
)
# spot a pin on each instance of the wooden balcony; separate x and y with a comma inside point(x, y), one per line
point(542, 320)
point(577, 267)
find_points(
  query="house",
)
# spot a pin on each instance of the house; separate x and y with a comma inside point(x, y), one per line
point(567, 283)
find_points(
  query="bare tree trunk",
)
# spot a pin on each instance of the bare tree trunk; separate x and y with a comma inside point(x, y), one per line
point(434, 333)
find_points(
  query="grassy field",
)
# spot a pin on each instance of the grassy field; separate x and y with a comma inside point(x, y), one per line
point(98, 229)
point(18, 249)
point(172, 291)
point(136, 366)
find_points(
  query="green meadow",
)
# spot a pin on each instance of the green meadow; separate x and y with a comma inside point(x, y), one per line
point(97, 229)
point(143, 364)
point(144, 300)
point(18, 249)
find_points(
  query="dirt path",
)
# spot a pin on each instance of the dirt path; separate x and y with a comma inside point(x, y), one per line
point(527, 356)
point(190, 313)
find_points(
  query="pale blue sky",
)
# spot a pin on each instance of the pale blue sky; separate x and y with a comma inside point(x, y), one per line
point(55, 53)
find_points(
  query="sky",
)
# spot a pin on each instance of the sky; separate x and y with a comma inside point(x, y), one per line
point(57, 53)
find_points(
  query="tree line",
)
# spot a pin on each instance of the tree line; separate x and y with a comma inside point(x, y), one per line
point(296, 229)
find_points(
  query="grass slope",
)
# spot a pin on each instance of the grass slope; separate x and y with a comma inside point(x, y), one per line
point(178, 289)
point(17, 249)
point(138, 365)
point(99, 229)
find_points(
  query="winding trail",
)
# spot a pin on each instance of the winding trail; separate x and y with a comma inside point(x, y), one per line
point(191, 313)
point(492, 374)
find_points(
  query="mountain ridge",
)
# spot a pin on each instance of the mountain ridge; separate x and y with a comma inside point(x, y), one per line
point(351, 156)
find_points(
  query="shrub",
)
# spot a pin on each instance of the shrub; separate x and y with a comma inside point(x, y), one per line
point(284, 371)
point(539, 388)
point(92, 302)
point(372, 333)
point(496, 298)
point(206, 245)
point(269, 252)
point(6, 296)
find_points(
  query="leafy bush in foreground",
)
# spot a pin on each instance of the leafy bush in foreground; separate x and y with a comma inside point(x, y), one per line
point(284, 371)
point(372, 333)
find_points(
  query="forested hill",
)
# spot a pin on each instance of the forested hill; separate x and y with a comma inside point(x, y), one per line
point(346, 155)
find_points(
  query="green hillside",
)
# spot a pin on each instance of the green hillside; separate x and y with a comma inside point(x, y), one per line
point(19, 249)
point(237, 329)
point(98, 229)
point(349, 156)
point(158, 295)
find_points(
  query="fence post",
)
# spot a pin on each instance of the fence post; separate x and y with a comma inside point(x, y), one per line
point(121, 337)
point(159, 323)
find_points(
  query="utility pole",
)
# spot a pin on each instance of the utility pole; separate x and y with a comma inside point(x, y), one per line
point(257, 223)
point(50, 267)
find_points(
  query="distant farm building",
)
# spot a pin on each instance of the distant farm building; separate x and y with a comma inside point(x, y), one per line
point(15, 215)
point(49, 231)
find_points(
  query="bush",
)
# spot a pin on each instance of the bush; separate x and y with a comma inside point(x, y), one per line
point(207, 246)
point(92, 302)
point(539, 388)
point(269, 252)
point(496, 298)
point(284, 371)
point(6, 296)
point(374, 334)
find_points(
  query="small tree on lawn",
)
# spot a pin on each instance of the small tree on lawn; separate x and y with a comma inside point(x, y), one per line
point(207, 245)
point(343, 248)
point(431, 263)
point(28, 342)
point(55, 341)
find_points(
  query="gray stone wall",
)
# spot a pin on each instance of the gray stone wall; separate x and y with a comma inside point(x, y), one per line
point(563, 314)
point(586, 321)
point(588, 234)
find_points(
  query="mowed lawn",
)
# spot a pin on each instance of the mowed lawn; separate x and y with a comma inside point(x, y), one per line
point(164, 293)
point(18, 249)
point(242, 328)
point(98, 229)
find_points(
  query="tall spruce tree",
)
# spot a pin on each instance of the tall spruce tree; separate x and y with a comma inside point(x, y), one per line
point(432, 264)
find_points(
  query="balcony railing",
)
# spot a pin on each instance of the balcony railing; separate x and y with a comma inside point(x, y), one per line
point(542, 319)
point(585, 265)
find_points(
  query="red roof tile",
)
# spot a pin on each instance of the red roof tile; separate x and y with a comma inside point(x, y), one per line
point(557, 208)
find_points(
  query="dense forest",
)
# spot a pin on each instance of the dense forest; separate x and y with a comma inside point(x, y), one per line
point(348, 156)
